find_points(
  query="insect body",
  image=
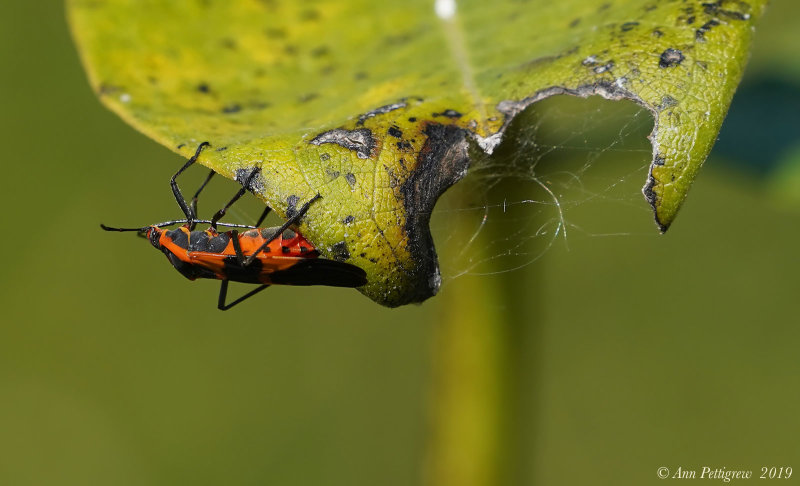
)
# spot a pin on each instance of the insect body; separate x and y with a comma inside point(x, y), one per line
point(209, 254)
point(263, 256)
point(280, 257)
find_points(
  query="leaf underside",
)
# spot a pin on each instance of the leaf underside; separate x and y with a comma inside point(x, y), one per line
point(374, 105)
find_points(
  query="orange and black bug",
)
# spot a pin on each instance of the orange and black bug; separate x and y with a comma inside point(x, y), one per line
point(264, 256)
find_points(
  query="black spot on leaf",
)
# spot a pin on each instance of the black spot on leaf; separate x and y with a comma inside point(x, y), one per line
point(291, 205)
point(232, 108)
point(671, 58)
point(256, 182)
point(605, 67)
point(667, 101)
point(700, 34)
point(360, 141)
point(715, 8)
point(380, 111)
point(258, 105)
point(339, 251)
point(449, 114)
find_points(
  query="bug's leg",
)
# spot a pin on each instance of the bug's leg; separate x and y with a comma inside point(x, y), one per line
point(174, 185)
point(193, 204)
point(223, 293)
point(219, 214)
point(293, 220)
point(263, 216)
point(237, 247)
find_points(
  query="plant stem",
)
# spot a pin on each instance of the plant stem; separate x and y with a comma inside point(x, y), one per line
point(481, 348)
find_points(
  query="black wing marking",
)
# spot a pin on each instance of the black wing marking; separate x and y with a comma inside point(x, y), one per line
point(319, 271)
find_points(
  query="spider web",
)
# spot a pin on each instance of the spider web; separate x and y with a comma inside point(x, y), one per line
point(565, 166)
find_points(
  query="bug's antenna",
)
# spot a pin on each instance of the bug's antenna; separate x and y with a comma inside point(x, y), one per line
point(110, 228)
point(176, 221)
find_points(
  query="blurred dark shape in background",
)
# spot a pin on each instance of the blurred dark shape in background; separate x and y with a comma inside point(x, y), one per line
point(763, 125)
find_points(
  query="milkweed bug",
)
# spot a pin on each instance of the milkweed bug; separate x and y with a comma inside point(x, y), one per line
point(264, 256)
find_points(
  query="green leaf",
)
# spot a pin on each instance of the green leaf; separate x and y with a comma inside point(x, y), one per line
point(374, 105)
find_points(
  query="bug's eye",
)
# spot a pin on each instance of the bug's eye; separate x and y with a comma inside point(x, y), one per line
point(154, 235)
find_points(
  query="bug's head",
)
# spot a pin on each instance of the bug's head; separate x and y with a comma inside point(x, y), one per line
point(153, 234)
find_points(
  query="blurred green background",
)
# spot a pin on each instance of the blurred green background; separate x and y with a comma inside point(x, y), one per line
point(631, 350)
